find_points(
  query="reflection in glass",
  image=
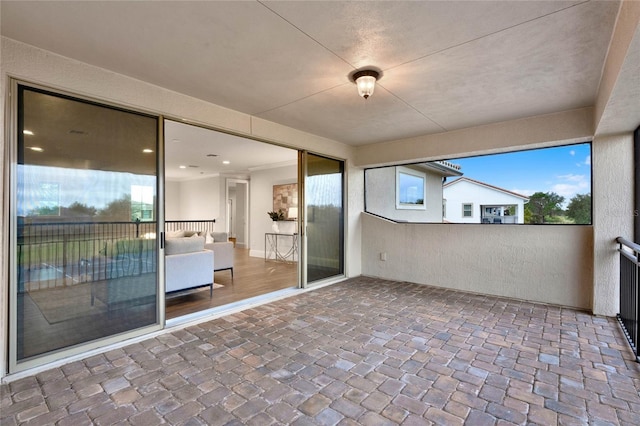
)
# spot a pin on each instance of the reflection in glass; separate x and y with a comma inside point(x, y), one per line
point(410, 189)
point(325, 218)
point(83, 270)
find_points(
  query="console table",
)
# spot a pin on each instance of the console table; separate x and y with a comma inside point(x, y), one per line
point(280, 247)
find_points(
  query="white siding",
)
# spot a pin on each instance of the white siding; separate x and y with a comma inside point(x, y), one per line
point(465, 192)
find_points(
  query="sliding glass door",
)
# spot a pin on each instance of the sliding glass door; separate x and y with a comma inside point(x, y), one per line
point(324, 219)
point(84, 210)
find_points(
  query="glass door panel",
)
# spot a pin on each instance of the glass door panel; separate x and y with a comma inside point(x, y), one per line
point(324, 220)
point(85, 221)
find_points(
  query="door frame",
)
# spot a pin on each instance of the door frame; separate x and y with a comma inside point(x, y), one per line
point(10, 212)
point(302, 221)
point(246, 226)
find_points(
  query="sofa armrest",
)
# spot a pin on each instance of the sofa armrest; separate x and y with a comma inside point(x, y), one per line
point(223, 253)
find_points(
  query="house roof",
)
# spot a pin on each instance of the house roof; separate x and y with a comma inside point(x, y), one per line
point(444, 65)
point(444, 168)
point(486, 185)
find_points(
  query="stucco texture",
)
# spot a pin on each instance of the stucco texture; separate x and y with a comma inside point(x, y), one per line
point(548, 264)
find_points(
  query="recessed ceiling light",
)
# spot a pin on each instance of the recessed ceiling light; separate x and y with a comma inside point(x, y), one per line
point(36, 148)
point(27, 132)
point(183, 167)
point(226, 162)
point(147, 151)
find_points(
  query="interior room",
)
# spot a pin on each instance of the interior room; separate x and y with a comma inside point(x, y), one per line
point(234, 182)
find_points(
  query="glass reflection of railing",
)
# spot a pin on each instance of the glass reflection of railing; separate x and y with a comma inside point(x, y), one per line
point(67, 253)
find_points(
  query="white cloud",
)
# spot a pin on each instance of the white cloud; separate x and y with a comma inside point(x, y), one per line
point(573, 178)
point(572, 153)
point(570, 185)
point(587, 161)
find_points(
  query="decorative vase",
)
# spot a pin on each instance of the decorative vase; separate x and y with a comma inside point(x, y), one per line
point(274, 227)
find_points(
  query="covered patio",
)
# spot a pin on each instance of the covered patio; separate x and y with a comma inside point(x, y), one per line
point(365, 351)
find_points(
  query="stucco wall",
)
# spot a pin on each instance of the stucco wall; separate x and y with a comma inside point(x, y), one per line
point(549, 264)
point(613, 214)
point(380, 190)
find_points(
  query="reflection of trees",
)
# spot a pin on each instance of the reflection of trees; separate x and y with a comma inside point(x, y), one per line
point(77, 209)
point(118, 210)
point(45, 211)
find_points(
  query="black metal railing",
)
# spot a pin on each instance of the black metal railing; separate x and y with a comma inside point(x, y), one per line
point(55, 254)
point(629, 292)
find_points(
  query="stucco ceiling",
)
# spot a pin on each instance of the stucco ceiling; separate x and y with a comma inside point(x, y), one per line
point(445, 65)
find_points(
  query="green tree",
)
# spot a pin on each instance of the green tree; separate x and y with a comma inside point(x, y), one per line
point(579, 209)
point(542, 205)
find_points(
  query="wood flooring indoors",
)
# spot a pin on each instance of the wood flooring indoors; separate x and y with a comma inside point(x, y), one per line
point(253, 276)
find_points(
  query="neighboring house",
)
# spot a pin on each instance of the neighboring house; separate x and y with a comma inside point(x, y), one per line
point(467, 200)
point(411, 193)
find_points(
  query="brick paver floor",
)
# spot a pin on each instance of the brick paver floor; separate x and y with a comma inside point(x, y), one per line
point(365, 351)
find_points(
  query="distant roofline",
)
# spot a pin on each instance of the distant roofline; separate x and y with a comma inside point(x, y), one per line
point(477, 182)
point(444, 167)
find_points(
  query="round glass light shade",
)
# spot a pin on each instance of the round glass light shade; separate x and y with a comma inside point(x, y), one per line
point(366, 84)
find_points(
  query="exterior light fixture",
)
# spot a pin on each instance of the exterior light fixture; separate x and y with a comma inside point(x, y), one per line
point(366, 82)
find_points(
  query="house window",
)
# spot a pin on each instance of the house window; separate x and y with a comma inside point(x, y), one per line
point(410, 189)
point(467, 210)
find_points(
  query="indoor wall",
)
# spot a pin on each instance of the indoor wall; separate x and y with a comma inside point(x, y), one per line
point(261, 202)
point(197, 199)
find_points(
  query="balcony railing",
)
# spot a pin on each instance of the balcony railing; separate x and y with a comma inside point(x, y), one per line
point(67, 253)
point(629, 292)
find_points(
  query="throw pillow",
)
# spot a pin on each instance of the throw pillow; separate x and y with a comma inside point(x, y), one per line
point(208, 238)
point(175, 234)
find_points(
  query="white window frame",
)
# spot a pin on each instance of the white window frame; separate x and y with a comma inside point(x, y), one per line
point(471, 211)
point(415, 173)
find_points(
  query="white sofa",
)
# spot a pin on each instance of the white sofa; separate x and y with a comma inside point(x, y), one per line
point(188, 264)
point(223, 252)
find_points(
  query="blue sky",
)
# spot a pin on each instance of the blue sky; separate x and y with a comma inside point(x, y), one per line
point(565, 170)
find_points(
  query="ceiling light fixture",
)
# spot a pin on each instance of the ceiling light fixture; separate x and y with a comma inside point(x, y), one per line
point(183, 167)
point(27, 132)
point(36, 148)
point(366, 82)
point(226, 162)
point(147, 151)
